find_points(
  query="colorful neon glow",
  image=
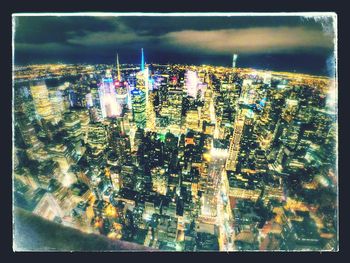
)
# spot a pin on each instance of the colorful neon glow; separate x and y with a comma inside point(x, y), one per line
point(262, 102)
point(192, 83)
point(108, 101)
point(142, 60)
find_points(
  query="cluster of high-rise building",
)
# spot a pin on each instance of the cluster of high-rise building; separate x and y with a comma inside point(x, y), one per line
point(182, 158)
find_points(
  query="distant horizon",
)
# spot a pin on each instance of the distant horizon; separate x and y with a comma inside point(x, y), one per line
point(183, 64)
point(298, 43)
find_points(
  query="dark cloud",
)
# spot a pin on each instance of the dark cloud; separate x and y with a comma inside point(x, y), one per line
point(171, 39)
point(162, 25)
point(251, 40)
point(43, 29)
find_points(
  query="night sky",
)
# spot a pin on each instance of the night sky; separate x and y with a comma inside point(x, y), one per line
point(290, 43)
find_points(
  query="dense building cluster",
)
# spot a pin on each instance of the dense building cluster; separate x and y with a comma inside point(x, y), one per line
point(175, 157)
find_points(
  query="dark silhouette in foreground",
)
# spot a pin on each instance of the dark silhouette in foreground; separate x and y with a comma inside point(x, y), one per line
point(33, 233)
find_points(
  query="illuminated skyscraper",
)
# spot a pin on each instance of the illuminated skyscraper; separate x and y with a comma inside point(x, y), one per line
point(41, 100)
point(172, 107)
point(84, 122)
point(193, 120)
point(142, 60)
point(122, 96)
point(97, 136)
point(138, 100)
point(234, 59)
point(191, 83)
point(97, 143)
point(57, 103)
point(108, 101)
point(27, 132)
point(142, 84)
point(121, 146)
point(119, 78)
point(142, 76)
point(121, 90)
point(72, 126)
point(150, 114)
point(247, 92)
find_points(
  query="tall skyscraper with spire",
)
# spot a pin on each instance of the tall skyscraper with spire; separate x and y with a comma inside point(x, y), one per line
point(234, 59)
point(138, 100)
point(142, 60)
point(142, 84)
point(142, 77)
point(118, 69)
point(123, 95)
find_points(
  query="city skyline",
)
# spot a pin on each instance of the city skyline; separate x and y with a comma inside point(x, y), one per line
point(284, 43)
point(134, 155)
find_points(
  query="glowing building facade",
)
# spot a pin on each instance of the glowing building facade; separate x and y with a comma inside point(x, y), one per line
point(41, 100)
point(142, 81)
point(27, 131)
point(143, 85)
point(138, 100)
point(57, 104)
point(97, 143)
point(121, 94)
point(193, 120)
point(172, 108)
point(191, 83)
point(234, 60)
point(108, 100)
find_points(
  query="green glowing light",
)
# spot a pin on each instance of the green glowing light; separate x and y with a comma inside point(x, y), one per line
point(161, 137)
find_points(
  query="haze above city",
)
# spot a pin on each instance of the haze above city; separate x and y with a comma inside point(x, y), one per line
point(281, 43)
